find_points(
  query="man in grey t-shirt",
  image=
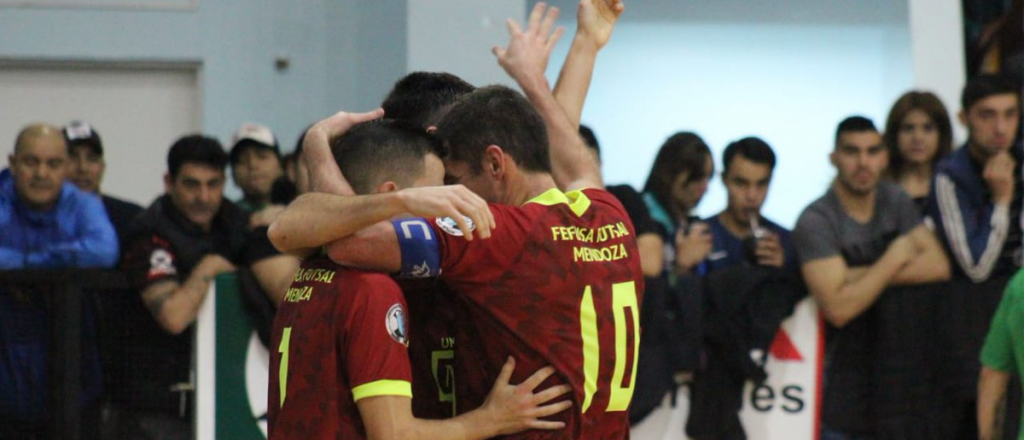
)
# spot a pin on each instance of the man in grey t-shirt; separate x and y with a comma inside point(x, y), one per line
point(862, 236)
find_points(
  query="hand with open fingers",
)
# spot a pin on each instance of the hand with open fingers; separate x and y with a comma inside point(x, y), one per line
point(769, 251)
point(324, 174)
point(595, 20)
point(998, 174)
point(516, 408)
point(469, 211)
point(528, 51)
point(337, 124)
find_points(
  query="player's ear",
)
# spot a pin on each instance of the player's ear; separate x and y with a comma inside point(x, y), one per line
point(168, 182)
point(494, 160)
point(386, 187)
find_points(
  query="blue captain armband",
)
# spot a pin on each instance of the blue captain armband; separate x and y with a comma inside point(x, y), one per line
point(421, 254)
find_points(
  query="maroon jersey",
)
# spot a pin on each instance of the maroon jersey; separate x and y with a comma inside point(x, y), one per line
point(340, 335)
point(558, 283)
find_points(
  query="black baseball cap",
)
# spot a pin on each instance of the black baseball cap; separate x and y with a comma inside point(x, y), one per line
point(80, 133)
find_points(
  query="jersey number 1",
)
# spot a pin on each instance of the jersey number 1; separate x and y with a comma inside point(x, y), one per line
point(283, 373)
point(623, 298)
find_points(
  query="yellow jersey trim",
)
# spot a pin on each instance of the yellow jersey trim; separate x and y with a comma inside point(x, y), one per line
point(578, 202)
point(382, 388)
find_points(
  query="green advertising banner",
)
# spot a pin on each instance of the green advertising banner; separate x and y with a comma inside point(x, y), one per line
point(236, 393)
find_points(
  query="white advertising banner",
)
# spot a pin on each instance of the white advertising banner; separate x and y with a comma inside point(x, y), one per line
point(784, 407)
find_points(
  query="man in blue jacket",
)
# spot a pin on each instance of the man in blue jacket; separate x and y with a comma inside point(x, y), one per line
point(46, 223)
point(976, 197)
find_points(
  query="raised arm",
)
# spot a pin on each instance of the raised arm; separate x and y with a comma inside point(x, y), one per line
point(841, 300)
point(595, 20)
point(508, 409)
point(525, 59)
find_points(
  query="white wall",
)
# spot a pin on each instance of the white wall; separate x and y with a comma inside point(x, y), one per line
point(937, 32)
point(788, 84)
point(457, 36)
point(137, 111)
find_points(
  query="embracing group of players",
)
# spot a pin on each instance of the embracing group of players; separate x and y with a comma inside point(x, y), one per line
point(515, 308)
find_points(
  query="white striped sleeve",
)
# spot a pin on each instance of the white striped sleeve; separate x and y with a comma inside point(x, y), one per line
point(956, 233)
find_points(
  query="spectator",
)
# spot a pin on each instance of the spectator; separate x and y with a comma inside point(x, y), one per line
point(173, 252)
point(678, 180)
point(1001, 356)
point(863, 235)
point(740, 235)
point(46, 223)
point(977, 199)
point(255, 165)
point(87, 169)
point(918, 134)
point(648, 232)
point(295, 167)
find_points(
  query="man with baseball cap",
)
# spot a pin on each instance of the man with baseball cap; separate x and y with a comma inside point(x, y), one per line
point(85, 149)
point(255, 165)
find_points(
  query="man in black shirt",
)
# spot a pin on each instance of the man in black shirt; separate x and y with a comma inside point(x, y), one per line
point(172, 253)
point(86, 171)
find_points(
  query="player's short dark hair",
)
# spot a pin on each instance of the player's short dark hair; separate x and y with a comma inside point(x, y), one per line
point(751, 148)
point(854, 124)
point(983, 86)
point(589, 139)
point(683, 152)
point(420, 98)
point(383, 150)
point(196, 149)
point(495, 115)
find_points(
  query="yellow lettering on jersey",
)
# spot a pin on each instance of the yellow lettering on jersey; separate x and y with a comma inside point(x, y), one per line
point(589, 255)
point(622, 229)
point(299, 294)
point(319, 275)
point(588, 235)
point(447, 342)
point(441, 365)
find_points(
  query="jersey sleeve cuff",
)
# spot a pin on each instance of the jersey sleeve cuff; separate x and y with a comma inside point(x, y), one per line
point(382, 388)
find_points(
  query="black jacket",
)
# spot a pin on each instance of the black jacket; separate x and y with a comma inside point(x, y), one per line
point(744, 307)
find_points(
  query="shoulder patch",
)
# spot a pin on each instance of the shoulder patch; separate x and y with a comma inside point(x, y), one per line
point(161, 263)
point(448, 224)
point(396, 324)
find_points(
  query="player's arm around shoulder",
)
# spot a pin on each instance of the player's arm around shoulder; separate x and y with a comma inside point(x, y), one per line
point(378, 247)
point(508, 409)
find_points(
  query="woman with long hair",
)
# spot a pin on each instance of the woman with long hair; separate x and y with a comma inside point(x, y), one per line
point(917, 134)
point(678, 180)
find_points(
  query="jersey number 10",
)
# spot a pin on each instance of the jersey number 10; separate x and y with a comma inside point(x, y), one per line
point(623, 299)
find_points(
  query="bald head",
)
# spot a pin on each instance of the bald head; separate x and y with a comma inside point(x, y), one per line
point(39, 165)
point(34, 131)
